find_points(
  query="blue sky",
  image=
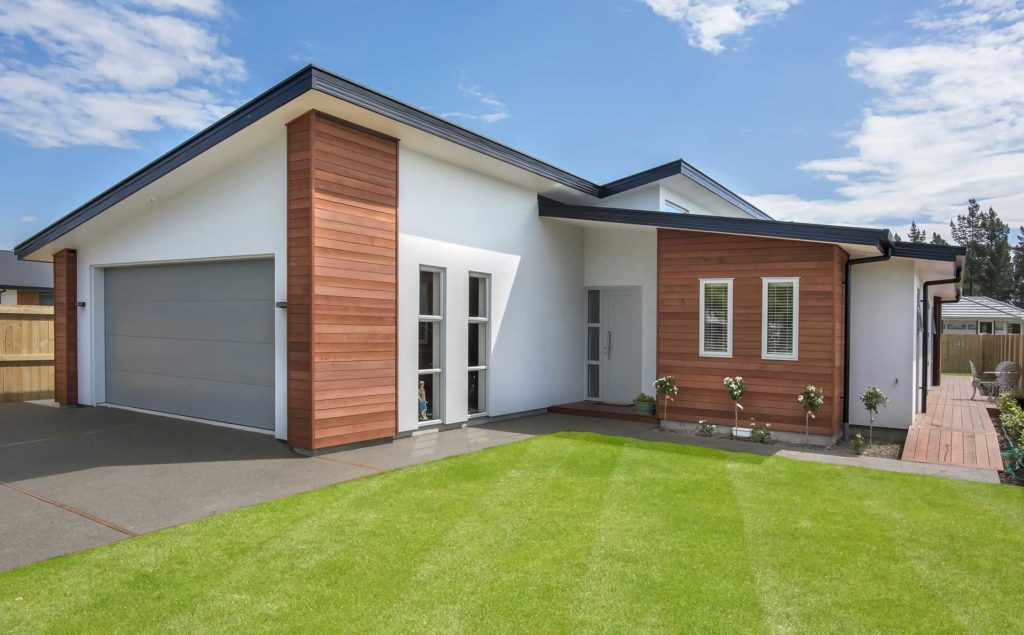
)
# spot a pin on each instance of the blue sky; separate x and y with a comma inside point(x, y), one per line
point(865, 112)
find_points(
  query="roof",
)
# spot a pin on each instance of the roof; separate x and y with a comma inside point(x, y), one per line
point(21, 274)
point(979, 307)
point(924, 251)
point(673, 168)
point(315, 78)
point(878, 238)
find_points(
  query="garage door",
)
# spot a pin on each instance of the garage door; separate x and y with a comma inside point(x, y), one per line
point(192, 339)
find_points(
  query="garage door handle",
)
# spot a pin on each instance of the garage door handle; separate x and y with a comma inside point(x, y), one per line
point(281, 305)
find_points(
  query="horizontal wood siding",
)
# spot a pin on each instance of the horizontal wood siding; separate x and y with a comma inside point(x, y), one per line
point(686, 257)
point(300, 275)
point(349, 223)
point(65, 327)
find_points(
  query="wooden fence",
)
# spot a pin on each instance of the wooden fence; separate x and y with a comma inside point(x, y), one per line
point(984, 350)
point(26, 352)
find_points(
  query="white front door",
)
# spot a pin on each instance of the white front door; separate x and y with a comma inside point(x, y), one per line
point(614, 342)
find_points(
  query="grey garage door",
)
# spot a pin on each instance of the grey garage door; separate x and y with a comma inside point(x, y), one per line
point(193, 339)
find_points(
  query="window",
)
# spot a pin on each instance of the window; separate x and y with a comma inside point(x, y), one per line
point(780, 318)
point(675, 208)
point(593, 345)
point(716, 317)
point(479, 342)
point(985, 328)
point(431, 335)
point(1013, 329)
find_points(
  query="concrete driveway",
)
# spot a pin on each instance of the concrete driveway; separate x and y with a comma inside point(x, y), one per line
point(81, 477)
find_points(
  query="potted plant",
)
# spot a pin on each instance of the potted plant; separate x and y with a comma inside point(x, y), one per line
point(873, 399)
point(666, 387)
point(644, 404)
point(811, 399)
point(736, 387)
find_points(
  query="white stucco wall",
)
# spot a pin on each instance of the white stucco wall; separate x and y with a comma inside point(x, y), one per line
point(628, 257)
point(647, 197)
point(9, 296)
point(884, 340)
point(238, 212)
point(462, 222)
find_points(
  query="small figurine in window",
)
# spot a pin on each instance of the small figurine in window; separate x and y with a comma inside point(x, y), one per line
point(423, 401)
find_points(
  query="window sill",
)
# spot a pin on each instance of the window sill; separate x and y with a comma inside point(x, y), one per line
point(777, 358)
point(720, 355)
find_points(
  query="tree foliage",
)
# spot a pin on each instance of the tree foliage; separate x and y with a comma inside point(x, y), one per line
point(989, 269)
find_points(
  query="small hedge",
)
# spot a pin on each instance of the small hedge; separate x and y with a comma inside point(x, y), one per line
point(1012, 417)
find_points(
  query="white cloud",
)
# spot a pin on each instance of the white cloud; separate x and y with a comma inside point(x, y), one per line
point(75, 72)
point(474, 93)
point(945, 127)
point(28, 219)
point(708, 22)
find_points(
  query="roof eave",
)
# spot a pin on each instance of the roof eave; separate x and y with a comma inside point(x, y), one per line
point(837, 234)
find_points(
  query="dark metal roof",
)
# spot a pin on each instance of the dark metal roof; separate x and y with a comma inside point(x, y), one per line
point(878, 238)
point(924, 251)
point(315, 78)
point(18, 274)
point(674, 168)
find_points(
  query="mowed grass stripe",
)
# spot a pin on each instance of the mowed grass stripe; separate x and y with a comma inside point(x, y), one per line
point(822, 560)
point(650, 569)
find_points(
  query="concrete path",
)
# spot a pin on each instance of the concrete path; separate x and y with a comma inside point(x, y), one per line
point(71, 479)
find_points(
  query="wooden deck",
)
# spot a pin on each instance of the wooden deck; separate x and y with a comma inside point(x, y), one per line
point(603, 411)
point(956, 430)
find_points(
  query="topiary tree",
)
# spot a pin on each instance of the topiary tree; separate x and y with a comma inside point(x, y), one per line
point(666, 386)
point(873, 399)
point(811, 399)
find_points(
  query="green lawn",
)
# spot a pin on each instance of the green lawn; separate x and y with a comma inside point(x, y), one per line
point(575, 532)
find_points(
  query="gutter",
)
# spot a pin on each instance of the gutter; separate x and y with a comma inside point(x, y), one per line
point(887, 250)
point(926, 331)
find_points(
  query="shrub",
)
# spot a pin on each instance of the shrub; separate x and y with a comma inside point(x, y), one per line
point(760, 435)
point(858, 443)
point(643, 398)
point(1012, 417)
point(705, 429)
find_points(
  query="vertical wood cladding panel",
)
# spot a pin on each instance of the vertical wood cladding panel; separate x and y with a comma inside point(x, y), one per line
point(683, 259)
point(65, 327)
point(343, 276)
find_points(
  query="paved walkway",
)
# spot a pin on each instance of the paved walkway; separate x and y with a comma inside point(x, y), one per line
point(71, 479)
point(956, 430)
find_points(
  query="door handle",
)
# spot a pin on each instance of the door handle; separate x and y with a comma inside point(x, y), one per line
point(609, 344)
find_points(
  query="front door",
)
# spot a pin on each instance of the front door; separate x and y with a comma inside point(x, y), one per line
point(614, 343)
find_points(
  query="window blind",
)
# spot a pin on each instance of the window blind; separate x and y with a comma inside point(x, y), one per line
point(716, 317)
point(780, 318)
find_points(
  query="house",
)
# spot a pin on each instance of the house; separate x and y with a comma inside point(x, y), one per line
point(25, 282)
point(982, 315)
point(335, 266)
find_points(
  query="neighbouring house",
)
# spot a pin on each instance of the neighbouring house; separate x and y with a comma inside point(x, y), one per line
point(336, 266)
point(982, 315)
point(25, 282)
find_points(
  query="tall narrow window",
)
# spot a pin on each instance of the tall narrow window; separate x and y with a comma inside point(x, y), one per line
point(431, 356)
point(479, 342)
point(593, 346)
point(780, 318)
point(716, 317)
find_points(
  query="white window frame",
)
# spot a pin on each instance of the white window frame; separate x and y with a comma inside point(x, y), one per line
point(438, 373)
point(485, 351)
point(728, 330)
point(795, 355)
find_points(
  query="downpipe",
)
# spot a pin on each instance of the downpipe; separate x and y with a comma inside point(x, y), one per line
point(926, 330)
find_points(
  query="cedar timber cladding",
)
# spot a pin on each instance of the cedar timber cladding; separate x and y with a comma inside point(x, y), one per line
point(684, 257)
point(65, 327)
point(342, 283)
